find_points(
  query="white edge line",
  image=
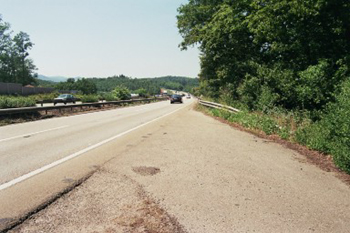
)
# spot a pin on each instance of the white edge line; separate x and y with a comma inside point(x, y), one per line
point(30, 134)
point(51, 165)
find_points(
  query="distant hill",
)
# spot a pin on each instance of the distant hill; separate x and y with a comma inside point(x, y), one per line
point(45, 83)
point(55, 79)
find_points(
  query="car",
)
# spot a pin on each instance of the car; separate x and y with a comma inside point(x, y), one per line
point(175, 98)
point(188, 97)
point(64, 98)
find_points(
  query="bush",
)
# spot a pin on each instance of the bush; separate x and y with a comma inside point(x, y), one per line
point(331, 134)
point(16, 102)
point(89, 98)
point(249, 120)
point(45, 97)
point(108, 96)
point(266, 99)
point(314, 136)
point(142, 92)
point(121, 93)
point(337, 122)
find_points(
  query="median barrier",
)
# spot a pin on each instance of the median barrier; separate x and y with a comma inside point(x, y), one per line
point(9, 111)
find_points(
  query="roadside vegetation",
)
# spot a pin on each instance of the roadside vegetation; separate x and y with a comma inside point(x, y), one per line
point(16, 102)
point(285, 63)
point(89, 98)
point(119, 93)
point(143, 87)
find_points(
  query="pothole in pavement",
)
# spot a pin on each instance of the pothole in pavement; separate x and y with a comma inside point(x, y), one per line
point(146, 171)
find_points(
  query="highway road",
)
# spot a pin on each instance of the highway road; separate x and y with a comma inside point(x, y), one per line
point(166, 168)
point(30, 151)
point(27, 147)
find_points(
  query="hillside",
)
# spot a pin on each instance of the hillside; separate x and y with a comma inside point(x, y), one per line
point(52, 78)
point(152, 85)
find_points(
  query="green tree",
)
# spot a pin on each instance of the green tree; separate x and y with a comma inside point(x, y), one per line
point(23, 67)
point(86, 86)
point(122, 93)
point(298, 51)
point(142, 92)
point(5, 49)
point(15, 64)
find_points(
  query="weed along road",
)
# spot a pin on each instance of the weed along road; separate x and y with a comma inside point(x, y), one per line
point(181, 171)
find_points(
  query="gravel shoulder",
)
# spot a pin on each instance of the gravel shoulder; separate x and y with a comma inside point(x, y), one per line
point(191, 173)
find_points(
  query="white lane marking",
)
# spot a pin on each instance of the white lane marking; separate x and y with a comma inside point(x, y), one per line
point(49, 166)
point(30, 134)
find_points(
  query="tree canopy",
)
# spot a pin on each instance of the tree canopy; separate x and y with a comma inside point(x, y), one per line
point(15, 64)
point(288, 53)
point(85, 86)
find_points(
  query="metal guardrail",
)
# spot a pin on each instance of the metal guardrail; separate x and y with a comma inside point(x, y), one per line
point(10, 111)
point(218, 106)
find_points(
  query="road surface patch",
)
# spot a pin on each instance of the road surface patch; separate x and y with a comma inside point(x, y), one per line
point(146, 171)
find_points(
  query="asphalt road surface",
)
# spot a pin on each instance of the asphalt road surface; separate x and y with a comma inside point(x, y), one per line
point(184, 172)
point(30, 146)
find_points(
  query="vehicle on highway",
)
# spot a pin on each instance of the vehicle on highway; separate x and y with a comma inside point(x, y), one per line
point(175, 98)
point(65, 98)
point(188, 97)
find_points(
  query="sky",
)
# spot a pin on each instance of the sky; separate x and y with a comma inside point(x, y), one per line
point(102, 38)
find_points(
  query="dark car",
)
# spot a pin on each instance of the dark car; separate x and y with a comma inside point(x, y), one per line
point(64, 98)
point(175, 98)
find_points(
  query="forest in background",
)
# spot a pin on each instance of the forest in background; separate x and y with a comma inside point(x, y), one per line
point(151, 86)
point(278, 57)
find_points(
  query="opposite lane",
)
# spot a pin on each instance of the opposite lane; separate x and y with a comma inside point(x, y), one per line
point(27, 147)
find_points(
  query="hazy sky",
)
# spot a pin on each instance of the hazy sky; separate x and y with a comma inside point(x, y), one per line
point(100, 38)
